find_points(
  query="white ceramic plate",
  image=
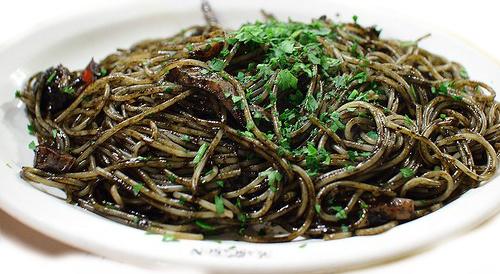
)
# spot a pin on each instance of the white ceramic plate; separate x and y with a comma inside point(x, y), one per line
point(100, 33)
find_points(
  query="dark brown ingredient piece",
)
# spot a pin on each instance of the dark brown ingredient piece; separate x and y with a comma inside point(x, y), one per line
point(51, 160)
point(211, 82)
point(207, 51)
point(395, 209)
point(58, 87)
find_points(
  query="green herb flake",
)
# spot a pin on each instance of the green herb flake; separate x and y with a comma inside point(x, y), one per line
point(136, 189)
point(463, 73)
point(54, 133)
point(311, 104)
point(103, 72)
point(355, 19)
point(273, 177)
point(408, 121)
point(168, 238)
point(341, 215)
point(317, 207)
point(220, 183)
point(363, 204)
point(344, 228)
point(242, 217)
point(352, 155)
point(31, 129)
point(18, 94)
point(200, 153)
point(204, 225)
point(216, 64)
point(143, 159)
point(407, 172)
point(219, 205)
point(250, 125)
point(224, 52)
point(51, 77)
point(237, 101)
point(442, 116)
point(286, 80)
point(68, 90)
point(168, 89)
point(32, 145)
point(182, 200)
point(372, 135)
point(246, 134)
point(185, 138)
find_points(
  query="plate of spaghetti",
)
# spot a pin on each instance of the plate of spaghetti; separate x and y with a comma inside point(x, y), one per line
point(195, 136)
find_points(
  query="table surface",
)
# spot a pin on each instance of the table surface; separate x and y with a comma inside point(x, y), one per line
point(24, 250)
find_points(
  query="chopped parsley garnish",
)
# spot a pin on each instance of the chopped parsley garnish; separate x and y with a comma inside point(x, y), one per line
point(247, 134)
point(200, 153)
point(286, 80)
point(340, 213)
point(242, 217)
point(408, 120)
point(143, 159)
point(311, 103)
point(273, 177)
point(353, 155)
point(250, 126)
point(103, 72)
point(442, 116)
point(219, 205)
point(372, 134)
point(237, 101)
point(185, 138)
point(51, 77)
point(182, 200)
point(355, 19)
point(353, 95)
point(136, 189)
point(216, 64)
point(360, 77)
point(68, 90)
point(407, 172)
point(463, 73)
point(350, 168)
point(363, 204)
point(204, 225)
point(224, 52)
point(18, 94)
point(332, 118)
point(31, 129)
point(168, 238)
point(442, 88)
point(168, 89)
point(54, 133)
point(32, 145)
point(314, 157)
point(220, 183)
point(317, 207)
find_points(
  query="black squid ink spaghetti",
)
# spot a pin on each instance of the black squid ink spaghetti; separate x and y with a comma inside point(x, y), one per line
point(270, 132)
